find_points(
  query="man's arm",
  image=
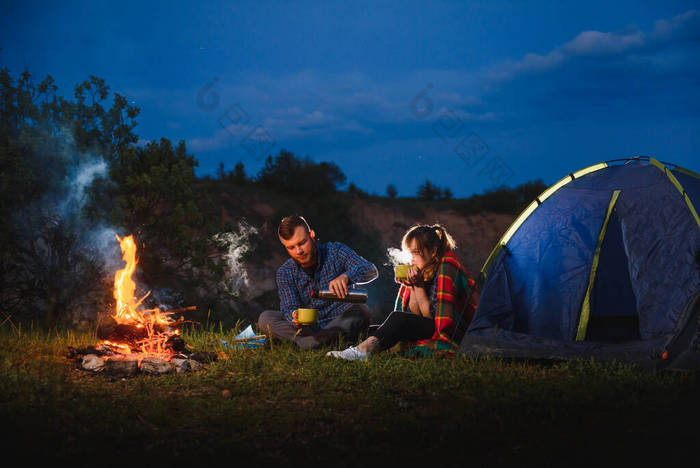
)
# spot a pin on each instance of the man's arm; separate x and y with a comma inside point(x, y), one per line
point(289, 298)
point(357, 269)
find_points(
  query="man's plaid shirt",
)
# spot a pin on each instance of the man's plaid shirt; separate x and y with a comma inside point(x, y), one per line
point(332, 260)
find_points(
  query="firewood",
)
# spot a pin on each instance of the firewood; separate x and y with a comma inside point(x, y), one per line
point(204, 357)
point(130, 334)
point(177, 311)
point(176, 343)
point(74, 353)
point(106, 328)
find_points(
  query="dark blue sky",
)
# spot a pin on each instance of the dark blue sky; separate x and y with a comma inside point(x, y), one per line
point(465, 94)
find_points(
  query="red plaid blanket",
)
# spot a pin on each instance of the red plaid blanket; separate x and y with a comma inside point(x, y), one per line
point(454, 309)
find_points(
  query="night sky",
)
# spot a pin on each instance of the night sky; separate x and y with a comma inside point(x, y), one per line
point(469, 95)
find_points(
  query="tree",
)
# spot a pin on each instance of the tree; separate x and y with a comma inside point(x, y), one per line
point(355, 190)
point(287, 173)
point(429, 191)
point(238, 175)
point(391, 191)
point(158, 203)
point(504, 199)
point(47, 265)
point(220, 172)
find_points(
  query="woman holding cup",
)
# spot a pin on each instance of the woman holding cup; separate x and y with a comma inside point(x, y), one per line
point(435, 303)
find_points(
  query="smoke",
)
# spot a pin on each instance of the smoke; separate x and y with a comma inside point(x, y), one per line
point(79, 180)
point(99, 239)
point(236, 246)
point(103, 239)
point(64, 257)
point(398, 256)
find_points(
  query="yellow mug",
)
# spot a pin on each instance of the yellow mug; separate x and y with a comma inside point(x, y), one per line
point(401, 271)
point(305, 316)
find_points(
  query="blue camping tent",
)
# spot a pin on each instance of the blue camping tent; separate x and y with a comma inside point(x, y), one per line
point(602, 264)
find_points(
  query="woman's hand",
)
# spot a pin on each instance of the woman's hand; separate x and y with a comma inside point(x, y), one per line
point(418, 303)
point(414, 277)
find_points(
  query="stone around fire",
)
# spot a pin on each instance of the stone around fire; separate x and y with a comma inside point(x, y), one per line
point(93, 363)
point(155, 366)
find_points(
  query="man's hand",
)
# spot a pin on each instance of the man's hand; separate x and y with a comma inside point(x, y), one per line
point(339, 286)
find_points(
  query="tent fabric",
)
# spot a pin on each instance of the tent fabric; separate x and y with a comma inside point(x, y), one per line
point(534, 288)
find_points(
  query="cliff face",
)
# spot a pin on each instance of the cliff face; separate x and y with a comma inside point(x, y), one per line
point(476, 235)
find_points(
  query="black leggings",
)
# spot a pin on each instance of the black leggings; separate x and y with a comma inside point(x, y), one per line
point(403, 326)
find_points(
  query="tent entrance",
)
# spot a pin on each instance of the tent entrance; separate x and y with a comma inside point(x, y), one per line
point(609, 311)
point(613, 314)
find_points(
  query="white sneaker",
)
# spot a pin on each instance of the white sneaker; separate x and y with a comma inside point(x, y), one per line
point(350, 354)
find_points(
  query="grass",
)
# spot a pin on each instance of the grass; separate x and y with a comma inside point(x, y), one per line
point(292, 406)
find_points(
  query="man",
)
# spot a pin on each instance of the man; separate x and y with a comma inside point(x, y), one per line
point(314, 266)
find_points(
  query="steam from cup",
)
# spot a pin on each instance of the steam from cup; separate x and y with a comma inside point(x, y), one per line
point(398, 256)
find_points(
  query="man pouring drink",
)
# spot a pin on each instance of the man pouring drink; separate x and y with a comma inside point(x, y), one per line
point(314, 266)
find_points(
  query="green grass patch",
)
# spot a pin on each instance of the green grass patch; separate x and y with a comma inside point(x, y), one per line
point(292, 406)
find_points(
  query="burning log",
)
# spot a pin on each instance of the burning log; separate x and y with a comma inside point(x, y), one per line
point(179, 311)
point(101, 350)
point(176, 343)
point(116, 332)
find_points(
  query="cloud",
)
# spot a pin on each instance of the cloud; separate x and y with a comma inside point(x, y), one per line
point(587, 44)
point(222, 138)
point(595, 75)
point(680, 28)
point(599, 76)
point(590, 43)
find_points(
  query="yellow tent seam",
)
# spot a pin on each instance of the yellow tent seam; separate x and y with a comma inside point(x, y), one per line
point(586, 306)
point(530, 209)
point(678, 186)
point(686, 172)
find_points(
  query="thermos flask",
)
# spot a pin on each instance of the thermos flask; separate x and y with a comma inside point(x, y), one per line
point(353, 295)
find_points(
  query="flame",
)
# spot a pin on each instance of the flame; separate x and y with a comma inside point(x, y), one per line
point(154, 321)
point(124, 286)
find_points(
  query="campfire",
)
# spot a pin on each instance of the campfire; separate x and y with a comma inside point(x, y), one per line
point(133, 330)
point(136, 338)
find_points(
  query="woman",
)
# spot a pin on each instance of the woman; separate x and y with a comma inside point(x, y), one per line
point(435, 302)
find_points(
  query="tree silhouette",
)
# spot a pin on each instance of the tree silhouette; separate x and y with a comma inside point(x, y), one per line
point(287, 173)
point(238, 175)
point(429, 191)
